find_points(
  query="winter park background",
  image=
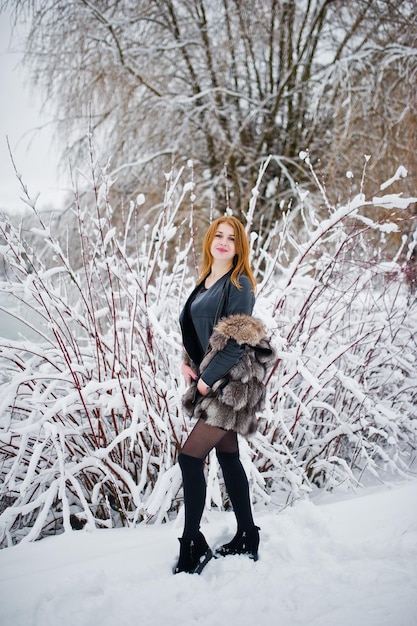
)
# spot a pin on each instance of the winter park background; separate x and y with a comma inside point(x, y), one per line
point(90, 388)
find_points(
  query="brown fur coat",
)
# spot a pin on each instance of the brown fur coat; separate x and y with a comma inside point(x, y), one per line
point(234, 400)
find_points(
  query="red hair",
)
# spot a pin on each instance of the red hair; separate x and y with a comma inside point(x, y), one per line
point(241, 264)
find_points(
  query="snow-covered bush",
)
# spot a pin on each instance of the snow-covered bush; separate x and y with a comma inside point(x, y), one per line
point(90, 412)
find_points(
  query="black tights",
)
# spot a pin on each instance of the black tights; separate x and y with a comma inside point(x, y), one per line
point(201, 440)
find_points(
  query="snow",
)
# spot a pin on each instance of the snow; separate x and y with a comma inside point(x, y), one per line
point(335, 560)
point(400, 173)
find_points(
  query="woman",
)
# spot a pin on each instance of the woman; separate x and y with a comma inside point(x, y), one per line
point(225, 390)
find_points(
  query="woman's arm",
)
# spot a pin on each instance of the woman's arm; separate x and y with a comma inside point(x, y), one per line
point(239, 301)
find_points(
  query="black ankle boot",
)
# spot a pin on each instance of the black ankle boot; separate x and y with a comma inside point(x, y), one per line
point(244, 542)
point(194, 555)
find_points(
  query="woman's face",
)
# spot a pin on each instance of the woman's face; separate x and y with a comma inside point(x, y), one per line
point(223, 244)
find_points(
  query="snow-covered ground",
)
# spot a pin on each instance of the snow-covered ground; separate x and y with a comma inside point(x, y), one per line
point(348, 561)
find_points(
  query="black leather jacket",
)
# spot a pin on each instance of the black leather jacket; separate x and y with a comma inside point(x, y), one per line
point(203, 309)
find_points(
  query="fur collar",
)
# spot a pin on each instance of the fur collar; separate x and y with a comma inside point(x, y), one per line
point(244, 329)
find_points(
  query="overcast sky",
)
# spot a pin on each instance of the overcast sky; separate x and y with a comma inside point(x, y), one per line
point(29, 131)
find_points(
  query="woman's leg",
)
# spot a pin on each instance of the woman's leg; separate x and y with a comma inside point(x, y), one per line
point(236, 481)
point(201, 440)
point(246, 539)
point(194, 550)
point(204, 438)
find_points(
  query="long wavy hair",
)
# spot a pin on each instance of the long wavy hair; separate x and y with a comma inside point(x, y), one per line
point(241, 264)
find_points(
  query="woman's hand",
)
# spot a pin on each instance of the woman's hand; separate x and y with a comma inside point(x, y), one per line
point(188, 373)
point(202, 388)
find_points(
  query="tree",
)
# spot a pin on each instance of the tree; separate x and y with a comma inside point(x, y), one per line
point(229, 82)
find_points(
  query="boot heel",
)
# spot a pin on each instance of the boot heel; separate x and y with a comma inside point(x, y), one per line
point(203, 562)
